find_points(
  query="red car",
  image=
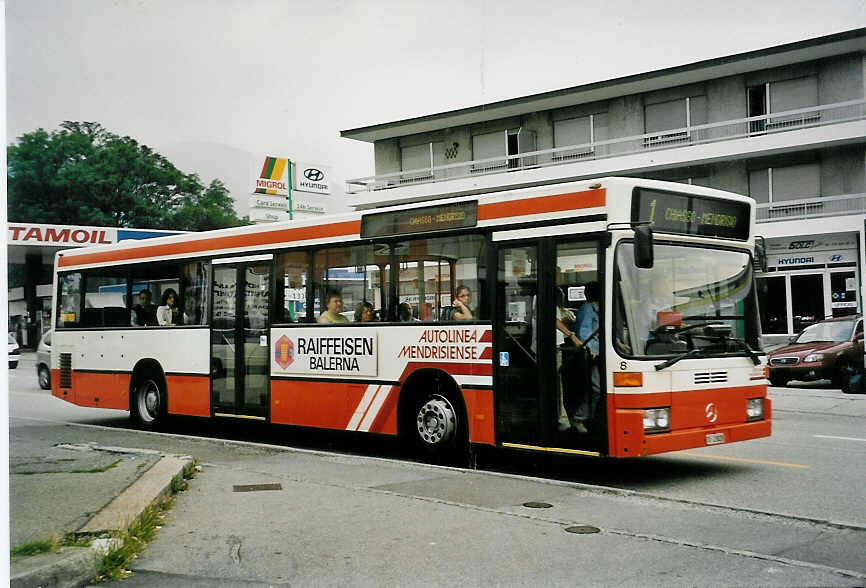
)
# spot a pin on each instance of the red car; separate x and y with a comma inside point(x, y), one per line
point(831, 350)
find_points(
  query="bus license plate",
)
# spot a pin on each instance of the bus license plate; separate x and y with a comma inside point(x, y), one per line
point(715, 438)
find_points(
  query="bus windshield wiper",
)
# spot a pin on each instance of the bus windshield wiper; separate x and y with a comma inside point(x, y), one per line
point(738, 342)
point(673, 360)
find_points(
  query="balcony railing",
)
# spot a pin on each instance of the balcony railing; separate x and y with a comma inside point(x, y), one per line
point(776, 122)
point(811, 208)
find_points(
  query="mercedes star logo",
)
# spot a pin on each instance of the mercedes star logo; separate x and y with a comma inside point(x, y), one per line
point(712, 412)
point(313, 174)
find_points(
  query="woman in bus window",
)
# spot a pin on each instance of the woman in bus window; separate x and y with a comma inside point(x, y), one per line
point(167, 314)
point(333, 308)
point(364, 312)
point(461, 311)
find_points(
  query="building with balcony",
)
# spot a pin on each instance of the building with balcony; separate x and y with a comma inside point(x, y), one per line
point(785, 125)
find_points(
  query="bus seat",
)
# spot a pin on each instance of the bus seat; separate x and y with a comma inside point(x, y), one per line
point(115, 316)
point(91, 317)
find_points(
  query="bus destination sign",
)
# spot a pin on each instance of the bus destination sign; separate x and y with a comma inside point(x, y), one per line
point(687, 214)
point(459, 215)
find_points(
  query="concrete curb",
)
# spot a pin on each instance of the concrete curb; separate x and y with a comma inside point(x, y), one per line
point(73, 567)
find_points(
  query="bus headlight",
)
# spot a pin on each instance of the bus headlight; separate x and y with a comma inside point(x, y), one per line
point(755, 408)
point(656, 419)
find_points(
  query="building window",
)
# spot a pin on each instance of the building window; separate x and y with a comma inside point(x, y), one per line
point(501, 146)
point(579, 133)
point(418, 160)
point(669, 122)
point(777, 184)
point(783, 96)
point(489, 146)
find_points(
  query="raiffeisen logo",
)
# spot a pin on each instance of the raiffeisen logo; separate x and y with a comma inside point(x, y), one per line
point(284, 352)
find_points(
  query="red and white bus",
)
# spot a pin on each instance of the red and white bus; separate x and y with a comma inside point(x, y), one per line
point(473, 302)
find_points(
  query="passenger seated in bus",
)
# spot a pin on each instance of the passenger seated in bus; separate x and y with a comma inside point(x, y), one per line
point(168, 314)
point(333, 308)
point(461, 310)
point(144, 313)
point(405, 313)
point(587, 331)
point(364, 312)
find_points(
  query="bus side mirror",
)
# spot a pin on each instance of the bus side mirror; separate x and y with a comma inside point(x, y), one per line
point(643, 246)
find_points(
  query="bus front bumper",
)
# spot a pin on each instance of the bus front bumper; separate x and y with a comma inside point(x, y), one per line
point(629, 444)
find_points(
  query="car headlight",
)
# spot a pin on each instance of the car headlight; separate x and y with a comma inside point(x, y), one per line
point(813, 357)
point(755, 408)
point(656, 419)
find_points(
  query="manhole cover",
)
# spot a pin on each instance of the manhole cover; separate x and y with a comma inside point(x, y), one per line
point(537, 505)
point(582, 529)
point(256, 487)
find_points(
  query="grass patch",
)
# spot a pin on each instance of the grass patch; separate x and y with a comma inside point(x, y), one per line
point(49, 545)
point(114, 564)
point(36, 547)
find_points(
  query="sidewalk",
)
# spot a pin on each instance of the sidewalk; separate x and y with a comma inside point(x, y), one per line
point(56, 490)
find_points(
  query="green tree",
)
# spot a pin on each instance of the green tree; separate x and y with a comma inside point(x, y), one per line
point(83, 174)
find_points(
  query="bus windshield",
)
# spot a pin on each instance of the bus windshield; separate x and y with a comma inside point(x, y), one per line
point(666, 309)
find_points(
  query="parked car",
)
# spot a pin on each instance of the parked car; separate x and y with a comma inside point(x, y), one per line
point(43, 361)
point(831, 349)
point(14, 352)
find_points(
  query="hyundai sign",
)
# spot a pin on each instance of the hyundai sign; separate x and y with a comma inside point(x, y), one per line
point(311, 178)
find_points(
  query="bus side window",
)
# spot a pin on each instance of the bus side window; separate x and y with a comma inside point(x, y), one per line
point(69, 300)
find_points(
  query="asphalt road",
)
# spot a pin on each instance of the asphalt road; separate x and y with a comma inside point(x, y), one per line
point(757, 496)
point(812, 466)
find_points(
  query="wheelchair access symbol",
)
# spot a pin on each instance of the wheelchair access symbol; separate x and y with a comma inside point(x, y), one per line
point(503, 358)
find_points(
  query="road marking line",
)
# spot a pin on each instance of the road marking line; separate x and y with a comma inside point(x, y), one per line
point(746, 460)
point(842, 438)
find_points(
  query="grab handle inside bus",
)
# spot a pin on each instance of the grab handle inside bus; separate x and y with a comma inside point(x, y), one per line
point(643, 246)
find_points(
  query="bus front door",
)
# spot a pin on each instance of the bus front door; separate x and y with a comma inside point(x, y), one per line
point(239, 339)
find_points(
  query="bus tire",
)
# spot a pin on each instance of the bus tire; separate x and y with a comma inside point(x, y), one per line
point(148, 405)
point(436, 423)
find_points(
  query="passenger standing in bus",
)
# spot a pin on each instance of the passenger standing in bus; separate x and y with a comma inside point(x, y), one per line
point(587, 331)
point(333, 308)
point(167, 314)
point(564, 318)
point(364, 312)
point(461, 310)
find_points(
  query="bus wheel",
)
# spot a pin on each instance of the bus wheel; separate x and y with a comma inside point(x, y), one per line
point(148, 404)
point(436, 422)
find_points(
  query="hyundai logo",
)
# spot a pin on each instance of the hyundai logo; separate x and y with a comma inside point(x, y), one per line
point(314, 175)
point(835, 258)
point(712, 412)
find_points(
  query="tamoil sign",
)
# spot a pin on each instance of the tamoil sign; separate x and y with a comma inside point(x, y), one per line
point(274, 177)
point(325, 351)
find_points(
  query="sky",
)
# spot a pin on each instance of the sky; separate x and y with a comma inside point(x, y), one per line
point(215, 85)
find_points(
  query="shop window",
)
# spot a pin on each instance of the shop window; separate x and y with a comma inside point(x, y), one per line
point(355, 277)
point(441, 279)
point(69, 300)
point(105, 299)
point(291, 276)
point(773, 302)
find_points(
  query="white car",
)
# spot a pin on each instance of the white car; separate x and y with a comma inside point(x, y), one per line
point(43, 361)
point(14, 352)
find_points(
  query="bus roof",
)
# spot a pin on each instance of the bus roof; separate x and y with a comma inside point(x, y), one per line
point(585, 200)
